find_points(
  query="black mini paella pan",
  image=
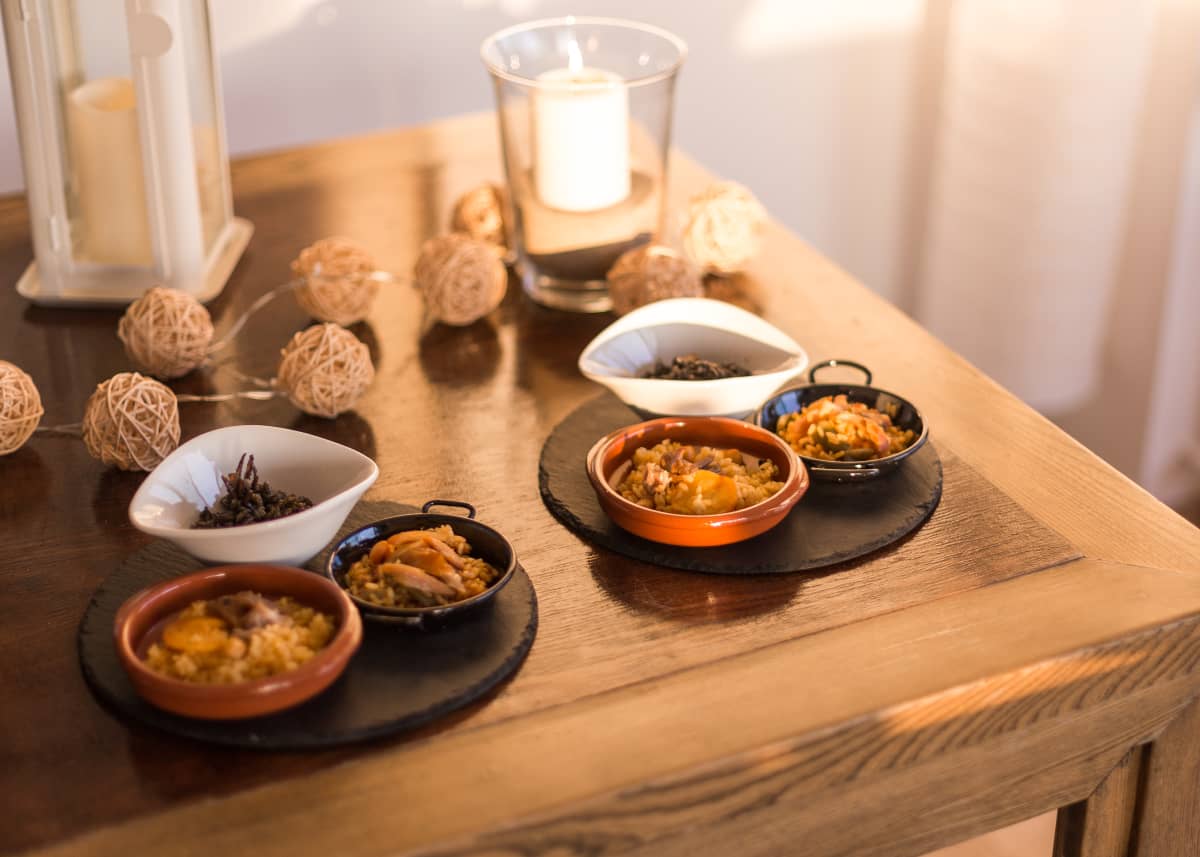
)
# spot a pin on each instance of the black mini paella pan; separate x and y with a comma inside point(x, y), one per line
point(901, 411)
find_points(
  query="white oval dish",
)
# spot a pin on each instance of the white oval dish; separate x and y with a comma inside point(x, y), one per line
point(174, 494)
point(713, 330)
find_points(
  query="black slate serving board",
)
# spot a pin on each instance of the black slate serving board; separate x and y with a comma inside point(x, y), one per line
point(399, 679)
point(832, 523)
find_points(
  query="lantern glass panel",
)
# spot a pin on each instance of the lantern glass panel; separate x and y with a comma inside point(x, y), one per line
point(101, 146)
point(119, 115)
point(104, 191)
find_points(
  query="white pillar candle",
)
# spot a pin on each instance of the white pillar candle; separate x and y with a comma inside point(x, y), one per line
point(107, 160)
point(581, 139)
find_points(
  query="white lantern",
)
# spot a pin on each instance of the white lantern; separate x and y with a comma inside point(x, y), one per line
point(122, 136)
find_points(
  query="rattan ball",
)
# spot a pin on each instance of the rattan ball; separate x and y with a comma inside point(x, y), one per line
point(20, 407)
point(131, 421)
point(480, 213)
point(724, 226)
point(336, 280)
point(461, 278)
point(648, 274)
point(166, 332)
point(324, 370)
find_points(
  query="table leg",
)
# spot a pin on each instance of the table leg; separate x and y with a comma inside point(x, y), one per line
point(1100, 825)
point(1168, 816)
point(1148, 805)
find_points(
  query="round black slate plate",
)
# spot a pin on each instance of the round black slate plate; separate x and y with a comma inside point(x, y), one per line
point(399, 679)
point(832, 523)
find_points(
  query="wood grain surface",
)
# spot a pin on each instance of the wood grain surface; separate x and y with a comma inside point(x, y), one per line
point(1167, 819)
point(1102, 825)
point(996, 664)
point(843, 741)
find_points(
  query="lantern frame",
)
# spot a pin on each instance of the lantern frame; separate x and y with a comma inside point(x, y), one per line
point(42, 40)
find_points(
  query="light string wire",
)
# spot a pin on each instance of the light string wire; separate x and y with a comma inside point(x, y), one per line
point(258, 395)
point(383, 277)
point(64, 430)
point(240, 321)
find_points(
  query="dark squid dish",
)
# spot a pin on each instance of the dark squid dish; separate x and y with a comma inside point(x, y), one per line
point(249, 500)
point(689, 367)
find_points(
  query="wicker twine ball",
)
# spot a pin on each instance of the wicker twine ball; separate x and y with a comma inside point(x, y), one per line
point(724, 225)
point(20, 407)
point(480, 213)
point(131, 421)
point(324, 370)
point(166, 332)
point(337, 283)
point(462, 278)
point(651, 273)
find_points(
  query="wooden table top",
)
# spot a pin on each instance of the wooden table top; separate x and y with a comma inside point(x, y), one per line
point(996, 664)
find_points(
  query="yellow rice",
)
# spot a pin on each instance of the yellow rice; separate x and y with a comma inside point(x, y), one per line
point(271, 650)
point(697, 480)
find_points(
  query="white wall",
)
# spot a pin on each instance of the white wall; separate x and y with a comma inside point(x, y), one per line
point(805, 101)
point(1170, 464)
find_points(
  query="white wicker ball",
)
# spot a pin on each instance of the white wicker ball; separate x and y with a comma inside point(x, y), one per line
point(723, 231)
point(325, 369)
point(20, 407)
point(131, 421)
point(166, 332)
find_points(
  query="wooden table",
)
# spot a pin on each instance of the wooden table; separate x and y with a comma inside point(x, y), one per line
point(1034, 645)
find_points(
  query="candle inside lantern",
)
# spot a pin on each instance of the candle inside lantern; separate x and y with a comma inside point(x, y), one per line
point(581, 139)
point(107, 157)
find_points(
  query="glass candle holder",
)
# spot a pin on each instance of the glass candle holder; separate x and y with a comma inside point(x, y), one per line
point(584, 108)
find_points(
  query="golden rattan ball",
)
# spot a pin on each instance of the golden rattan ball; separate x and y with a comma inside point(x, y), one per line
point(337, 282)
point(724, 226)
point(461, 278)
point(131, 421)
point(480, 213)
point(166, 332)
point(648, 274)
point(324, 370)
point(20, 407)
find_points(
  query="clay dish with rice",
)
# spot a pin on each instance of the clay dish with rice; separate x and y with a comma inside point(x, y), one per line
point(695, 481)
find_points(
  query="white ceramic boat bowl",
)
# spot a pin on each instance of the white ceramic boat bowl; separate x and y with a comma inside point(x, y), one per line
point(713, 330)
point(333, 476)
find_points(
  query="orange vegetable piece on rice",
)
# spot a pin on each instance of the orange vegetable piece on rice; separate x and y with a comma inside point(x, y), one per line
point(196, 635)
point(712, 492)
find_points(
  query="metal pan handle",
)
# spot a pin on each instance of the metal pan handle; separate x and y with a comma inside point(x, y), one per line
point(457, 504)
point(829, 364)
point(845, 475)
